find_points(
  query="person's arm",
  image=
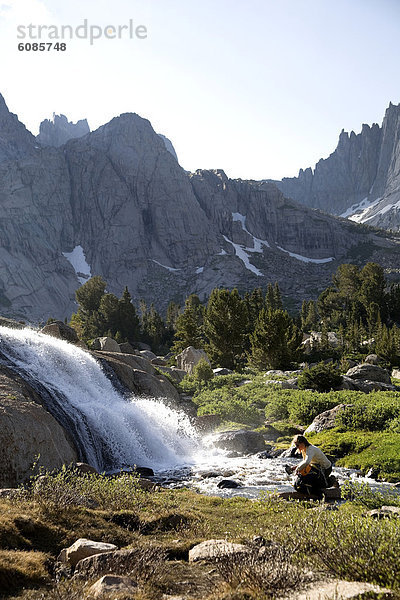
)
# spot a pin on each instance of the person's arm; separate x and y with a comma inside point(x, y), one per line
point(306, 461)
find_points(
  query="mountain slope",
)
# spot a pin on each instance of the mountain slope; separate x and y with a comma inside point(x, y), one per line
point(360, 179)
point(116, 203)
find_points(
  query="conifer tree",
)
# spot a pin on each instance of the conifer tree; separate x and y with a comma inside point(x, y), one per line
point(275, 340)
point(128, 318)
point(225, 326)
point(189, 325)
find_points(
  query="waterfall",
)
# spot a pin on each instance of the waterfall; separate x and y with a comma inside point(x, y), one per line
point(109, 430)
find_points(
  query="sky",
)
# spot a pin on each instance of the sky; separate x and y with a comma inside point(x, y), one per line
point(259, 88)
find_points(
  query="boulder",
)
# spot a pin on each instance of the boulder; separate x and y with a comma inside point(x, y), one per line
point(84, 469)
point(222, 371)
point(241, 440)
point(176, 374)
point(189, 358)
point(396, 373)
point(83, 548)
point(372, 359)
point(369, 372)
point(27, 430)
point(215, 549)
point(374, 386)
point(159, 361)
point(106, 344)
point(148, 354)
point(126, 348)
point(112, 584)
point(114, 561)
point(326, 419)
point(60, 330)
point(144, 381)
point(207, 423)
point(228, 484)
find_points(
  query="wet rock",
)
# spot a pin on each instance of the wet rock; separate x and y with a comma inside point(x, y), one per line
point(215, 549)
point(373, 473)
point(228, 484)
point(112, 584)
point(60, 330)
point(145, 471)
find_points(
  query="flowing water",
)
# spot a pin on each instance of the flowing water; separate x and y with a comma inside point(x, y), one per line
point(112, 430)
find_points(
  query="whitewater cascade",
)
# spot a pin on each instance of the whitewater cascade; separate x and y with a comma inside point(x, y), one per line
point(110, 431)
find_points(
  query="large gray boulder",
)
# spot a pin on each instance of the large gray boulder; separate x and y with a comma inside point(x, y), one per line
point(105, 344)
point(241, 441)
point(326, 419)
point(369, 372)
point(189, 358)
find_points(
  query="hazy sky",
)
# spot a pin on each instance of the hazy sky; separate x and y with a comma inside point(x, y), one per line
point(258, 88)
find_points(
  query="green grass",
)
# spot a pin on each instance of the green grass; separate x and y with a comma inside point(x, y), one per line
point(363, 450)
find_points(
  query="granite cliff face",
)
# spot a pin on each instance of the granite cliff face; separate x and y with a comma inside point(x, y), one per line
point(360, 179)
point(116, 203)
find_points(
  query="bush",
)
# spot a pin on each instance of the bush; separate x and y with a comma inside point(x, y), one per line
point(203, 372)
point(376, 412)
point(321, 378)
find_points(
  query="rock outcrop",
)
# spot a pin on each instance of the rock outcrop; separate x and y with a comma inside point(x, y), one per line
point(58, 131)
point(116, 203)
point(26, 431)
point(360, 179)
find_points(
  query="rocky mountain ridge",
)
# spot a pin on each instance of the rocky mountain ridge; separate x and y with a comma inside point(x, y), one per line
point(116, 203)
point(360, 179)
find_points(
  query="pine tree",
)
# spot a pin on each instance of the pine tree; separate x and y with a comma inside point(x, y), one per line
point(225, 326)
point(277, 297)
point(128, 325)
point(274, 341)
point(189, 325)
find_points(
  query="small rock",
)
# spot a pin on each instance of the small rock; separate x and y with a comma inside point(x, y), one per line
point(372, 359)
point(83, 548)
point(84, 468)
point(222, 371)
point(111, 584)
point(214, 549)
point(384, 512)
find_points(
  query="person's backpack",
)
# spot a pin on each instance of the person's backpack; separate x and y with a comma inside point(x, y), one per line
point(312, 483)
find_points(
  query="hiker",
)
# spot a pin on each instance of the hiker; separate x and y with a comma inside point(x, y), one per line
point(313, 471)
